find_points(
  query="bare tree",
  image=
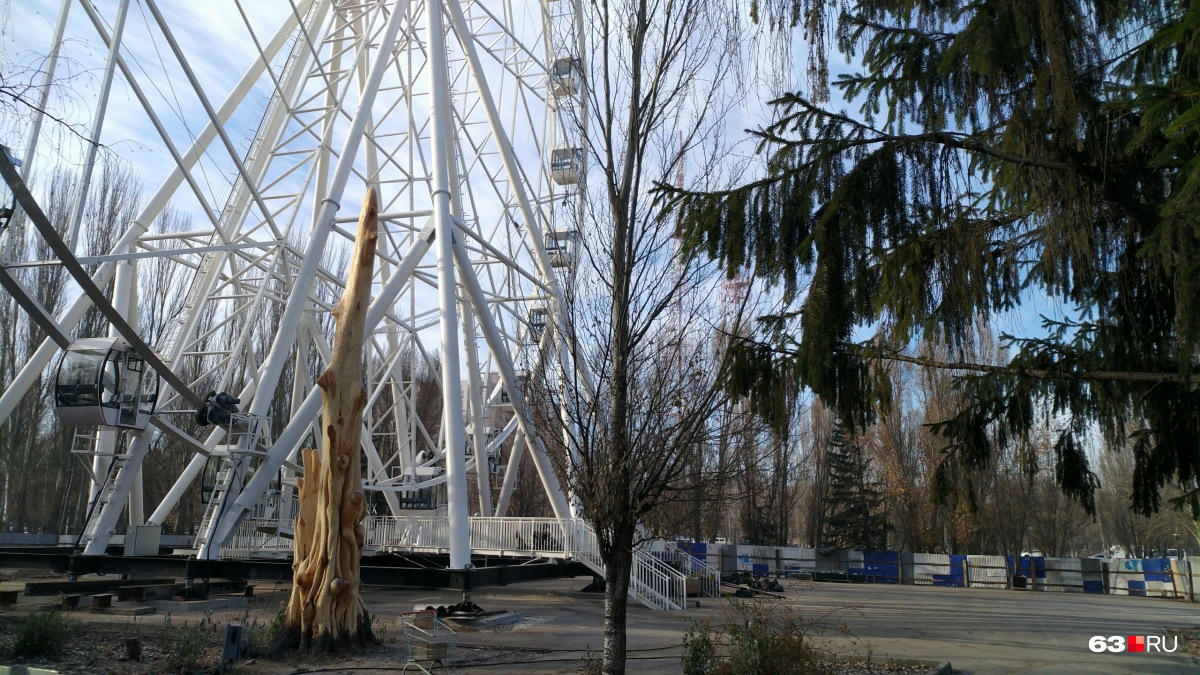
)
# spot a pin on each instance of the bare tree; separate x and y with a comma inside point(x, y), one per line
point(660, 79)
point(40, 485)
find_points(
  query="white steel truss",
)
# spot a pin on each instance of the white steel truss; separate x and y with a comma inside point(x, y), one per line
point(459, 113)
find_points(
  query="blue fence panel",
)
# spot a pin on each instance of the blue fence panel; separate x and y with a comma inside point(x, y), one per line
point(1030, 567)
point(880, 567)
point(1157, 569)
point(1141, 577)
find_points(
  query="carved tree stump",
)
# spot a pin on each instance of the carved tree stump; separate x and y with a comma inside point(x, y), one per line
point(326, 611)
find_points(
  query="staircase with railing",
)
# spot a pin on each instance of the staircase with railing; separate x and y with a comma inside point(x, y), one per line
point(652, 582)
point(693, 567)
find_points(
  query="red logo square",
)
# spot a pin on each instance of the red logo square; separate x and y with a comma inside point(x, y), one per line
point(1137, 643)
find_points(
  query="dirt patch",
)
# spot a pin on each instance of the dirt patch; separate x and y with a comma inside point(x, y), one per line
point(96, 644)
point(877, 669)
point(1189, 640)
point(99, 647)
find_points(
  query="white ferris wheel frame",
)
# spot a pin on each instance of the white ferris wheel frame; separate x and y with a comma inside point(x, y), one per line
point(251, 256)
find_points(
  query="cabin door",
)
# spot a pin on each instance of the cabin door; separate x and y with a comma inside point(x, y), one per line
point(131, 388)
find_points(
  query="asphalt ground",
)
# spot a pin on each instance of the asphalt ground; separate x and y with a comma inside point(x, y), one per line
point(977, 630)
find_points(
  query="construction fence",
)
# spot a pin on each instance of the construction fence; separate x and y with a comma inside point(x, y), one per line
point(1151, 577)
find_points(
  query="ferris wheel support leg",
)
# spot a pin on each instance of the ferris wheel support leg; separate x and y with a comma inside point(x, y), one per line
point(508, 374)
point(441, 114)
point(483, 478)
point(569, 431)
point(307, 411)
point(510, 476)
point(375, 468)
point(137, 501)
point(106, 440)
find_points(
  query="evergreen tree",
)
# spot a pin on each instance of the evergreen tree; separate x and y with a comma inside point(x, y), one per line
point(1002, 150)
point(856, 516)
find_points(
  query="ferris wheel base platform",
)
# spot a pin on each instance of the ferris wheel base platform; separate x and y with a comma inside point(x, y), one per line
point(429, 572)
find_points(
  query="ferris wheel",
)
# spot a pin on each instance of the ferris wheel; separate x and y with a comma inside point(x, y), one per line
point(463, 116)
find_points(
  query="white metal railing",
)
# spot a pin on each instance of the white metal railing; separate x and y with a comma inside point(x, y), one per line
point(537, 536)
point(388, 532)
point(709, 576)
point(653, 582)
point(250, 540)
point(277, 511)
point(585, 546)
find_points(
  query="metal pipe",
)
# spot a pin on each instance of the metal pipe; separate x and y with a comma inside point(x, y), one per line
point(510, 476)
point(106, 440)
point(106, 519)
point(441, 114)
point(483, 478)
point(89, 161)
point(508, 374)
point(35, 127)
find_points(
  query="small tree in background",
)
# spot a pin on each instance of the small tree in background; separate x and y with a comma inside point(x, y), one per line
point(857, 515)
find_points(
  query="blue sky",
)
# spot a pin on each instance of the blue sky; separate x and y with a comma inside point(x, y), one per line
point(199, 27)
point(216, 41)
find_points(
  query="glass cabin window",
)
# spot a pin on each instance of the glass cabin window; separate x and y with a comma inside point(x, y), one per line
point(110, 381)
point(77, 379)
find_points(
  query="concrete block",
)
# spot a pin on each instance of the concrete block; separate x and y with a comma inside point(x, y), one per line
point(189, 606)
point(132, 611)
point(490, 620)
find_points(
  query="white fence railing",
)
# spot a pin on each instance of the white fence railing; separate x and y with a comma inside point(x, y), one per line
point(653, 582)
point(533, 536)
point(251, 539)
point(277, 511)
point(407, 532)
point(693, 567)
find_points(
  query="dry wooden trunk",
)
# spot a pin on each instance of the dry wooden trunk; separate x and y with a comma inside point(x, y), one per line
point(326, 610)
